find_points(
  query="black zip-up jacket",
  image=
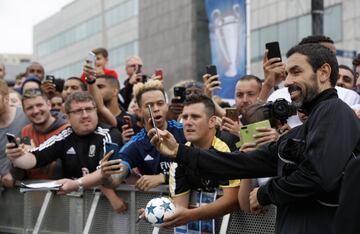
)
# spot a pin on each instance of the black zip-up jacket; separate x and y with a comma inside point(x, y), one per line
point(307, 165)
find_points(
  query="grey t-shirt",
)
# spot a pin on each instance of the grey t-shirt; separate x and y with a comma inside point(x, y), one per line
point(15, 128)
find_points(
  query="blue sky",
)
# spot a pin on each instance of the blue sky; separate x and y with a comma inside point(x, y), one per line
point(17, 18)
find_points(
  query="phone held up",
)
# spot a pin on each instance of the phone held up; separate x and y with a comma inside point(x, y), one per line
point(179, 92)
point(91, 59)
point(12, 139)
point(127, 121)
point(111, 146)
point(159, 73)
point(232, 114)
point(273, 50)
point(211, 70)
point(153, 120)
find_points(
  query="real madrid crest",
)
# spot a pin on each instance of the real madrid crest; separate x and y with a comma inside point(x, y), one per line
point(92, 149)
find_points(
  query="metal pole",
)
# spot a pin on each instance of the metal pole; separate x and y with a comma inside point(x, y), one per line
point(317, 16)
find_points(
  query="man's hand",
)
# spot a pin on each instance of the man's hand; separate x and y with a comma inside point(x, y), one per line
point(231, 126)
point(89, 72)
point(274, 70)
point(147, 182)
point(166, 144)
point(13, 152)
point(135, 78)
point(112, 167)
point(255, 207)
point(118, 204)
point(175, 108)
point(8, 180)
point(248, 147)
point(210, 84)
point(127, 133)
point(49, 88)
point(266, 135)
point(68, 186)
point(180, 217)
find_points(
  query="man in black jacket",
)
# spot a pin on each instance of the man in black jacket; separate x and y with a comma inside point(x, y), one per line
point(307, 163)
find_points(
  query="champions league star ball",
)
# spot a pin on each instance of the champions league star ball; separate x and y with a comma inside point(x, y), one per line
point(157, 208)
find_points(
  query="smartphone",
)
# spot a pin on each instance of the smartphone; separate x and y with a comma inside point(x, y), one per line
point(91, 59)
point(273, 50)
point(111, 146)
point(153, 120)
point(127, 121)
point(137, 69)
point(232, 114)
point(247, 132)
point(12, 139)
point(180, 92)
point(159, 72)
point(50, 78)
point(211, 70)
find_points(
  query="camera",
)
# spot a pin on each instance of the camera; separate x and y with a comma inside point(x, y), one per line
point(279, 109)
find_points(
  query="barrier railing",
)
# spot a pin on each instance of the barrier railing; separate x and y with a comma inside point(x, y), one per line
point(90, 212)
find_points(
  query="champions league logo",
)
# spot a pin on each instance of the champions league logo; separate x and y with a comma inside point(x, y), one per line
point(226, 31)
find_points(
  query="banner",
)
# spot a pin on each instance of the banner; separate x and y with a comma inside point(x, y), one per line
point(227, 29)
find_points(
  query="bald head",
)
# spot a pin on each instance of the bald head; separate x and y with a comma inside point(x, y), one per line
point(36, 69)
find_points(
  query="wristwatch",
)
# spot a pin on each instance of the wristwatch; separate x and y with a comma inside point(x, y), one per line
point(81, 185)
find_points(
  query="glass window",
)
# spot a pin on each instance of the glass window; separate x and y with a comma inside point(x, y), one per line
point(303, 27)
point(333, 22)
point(287, 35)
point(255, 45)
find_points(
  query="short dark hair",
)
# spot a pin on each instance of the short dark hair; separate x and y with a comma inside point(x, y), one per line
point(316, 39)
point(208, 103)
point(317, 55)
point(82, 84)
point(78, 97)
point(101, 51)
point(111, 80)
point(356, 61)
point(342, 66)
point(249, 78)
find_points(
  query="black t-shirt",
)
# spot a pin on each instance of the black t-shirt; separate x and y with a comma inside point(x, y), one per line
point(79, 154)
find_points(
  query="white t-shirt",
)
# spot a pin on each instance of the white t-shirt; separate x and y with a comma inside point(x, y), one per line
point(350, 97)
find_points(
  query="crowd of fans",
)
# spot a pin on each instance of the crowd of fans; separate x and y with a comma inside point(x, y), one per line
point(62, 127)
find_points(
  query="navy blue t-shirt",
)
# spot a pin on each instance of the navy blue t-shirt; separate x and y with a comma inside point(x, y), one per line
point(140, 153)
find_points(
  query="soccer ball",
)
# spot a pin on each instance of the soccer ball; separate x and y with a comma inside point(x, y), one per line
point(157, 208)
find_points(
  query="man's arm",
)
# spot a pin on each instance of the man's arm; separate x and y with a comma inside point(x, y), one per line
point(328, 150)
point(103, 111)
point(20, 157)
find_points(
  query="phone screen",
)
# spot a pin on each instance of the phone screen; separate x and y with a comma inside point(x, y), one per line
point(273, 50)
point(153, 120)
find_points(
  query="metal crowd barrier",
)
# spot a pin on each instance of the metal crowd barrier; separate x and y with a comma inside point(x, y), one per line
point(91, 212)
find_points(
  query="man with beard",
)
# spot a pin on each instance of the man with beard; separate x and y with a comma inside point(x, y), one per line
point(307, 163)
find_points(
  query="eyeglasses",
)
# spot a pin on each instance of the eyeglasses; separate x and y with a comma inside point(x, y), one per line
point(80, 111)
point(30, 93)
